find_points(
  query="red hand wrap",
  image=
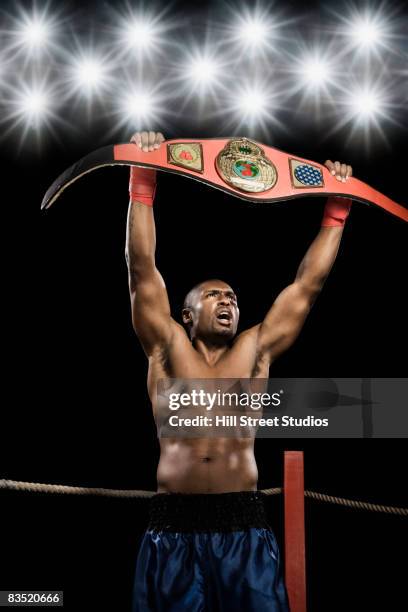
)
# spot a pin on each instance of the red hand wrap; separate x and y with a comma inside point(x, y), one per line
point(336, 211)
point(142, 185)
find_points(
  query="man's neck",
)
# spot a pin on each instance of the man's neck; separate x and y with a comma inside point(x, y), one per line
point(210, 351)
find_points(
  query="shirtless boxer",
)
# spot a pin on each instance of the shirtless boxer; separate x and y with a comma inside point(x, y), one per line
point(208, 545)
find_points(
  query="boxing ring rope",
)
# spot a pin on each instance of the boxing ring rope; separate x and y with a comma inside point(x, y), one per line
point(294, 529)
point(37, 487)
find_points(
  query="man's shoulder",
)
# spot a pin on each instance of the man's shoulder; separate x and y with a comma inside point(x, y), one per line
point(176, 334)
point(178, 331)
point(247, 335)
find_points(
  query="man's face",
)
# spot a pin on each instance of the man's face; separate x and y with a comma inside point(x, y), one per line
point(214, 311)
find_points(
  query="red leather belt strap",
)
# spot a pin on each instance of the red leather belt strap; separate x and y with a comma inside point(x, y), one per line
point(234, 170)
point(294, 501)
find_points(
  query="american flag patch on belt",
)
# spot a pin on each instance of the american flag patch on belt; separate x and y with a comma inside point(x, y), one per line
point(305, 175)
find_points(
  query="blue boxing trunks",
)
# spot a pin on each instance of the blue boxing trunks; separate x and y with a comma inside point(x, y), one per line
point(208, 553)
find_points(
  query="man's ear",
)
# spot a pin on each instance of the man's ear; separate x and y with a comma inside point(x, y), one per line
point(187, 316)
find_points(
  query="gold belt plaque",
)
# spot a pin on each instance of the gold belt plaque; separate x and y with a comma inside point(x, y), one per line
point(244, 165)
point(187, 155)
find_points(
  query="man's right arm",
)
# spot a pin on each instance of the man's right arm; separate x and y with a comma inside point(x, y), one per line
point(151, 317)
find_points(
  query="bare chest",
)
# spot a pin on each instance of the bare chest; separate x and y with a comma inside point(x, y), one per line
point(182, 361)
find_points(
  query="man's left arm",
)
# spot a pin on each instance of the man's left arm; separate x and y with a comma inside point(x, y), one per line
point(288, 313)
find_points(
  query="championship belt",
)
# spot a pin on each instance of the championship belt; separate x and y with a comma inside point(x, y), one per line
point(238, 166)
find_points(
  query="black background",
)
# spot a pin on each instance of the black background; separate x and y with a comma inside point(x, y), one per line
point(75, 407)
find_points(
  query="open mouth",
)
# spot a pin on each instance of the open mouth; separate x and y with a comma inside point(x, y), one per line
point(224, 317)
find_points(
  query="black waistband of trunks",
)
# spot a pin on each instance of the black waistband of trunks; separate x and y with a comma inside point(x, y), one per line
point(207, 512)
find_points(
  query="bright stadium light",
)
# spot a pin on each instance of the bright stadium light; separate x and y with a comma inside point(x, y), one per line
point(200, 75)
point(29, 107)
point(312, 73)
point(366, 32)
point(139, 34)
point(365, 104)
point(89, 74)
point(34, 34)
point(253, 31)
point(34, 104)
point(364, 110)
point(252, 102)
point(143, 33)
point(316, 72)
point(203, 70)
point(138, 105)
point(251, 107)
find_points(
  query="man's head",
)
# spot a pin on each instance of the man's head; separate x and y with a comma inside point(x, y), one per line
point(210, 311)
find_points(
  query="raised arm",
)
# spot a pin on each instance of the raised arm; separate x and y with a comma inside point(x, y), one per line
point(287, 315)
point(150, 305)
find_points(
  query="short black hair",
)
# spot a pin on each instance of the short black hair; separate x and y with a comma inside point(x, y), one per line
point(192, 293)
point(188, 300)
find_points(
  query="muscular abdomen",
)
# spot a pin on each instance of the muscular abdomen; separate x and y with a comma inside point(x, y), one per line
point(218, 465)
